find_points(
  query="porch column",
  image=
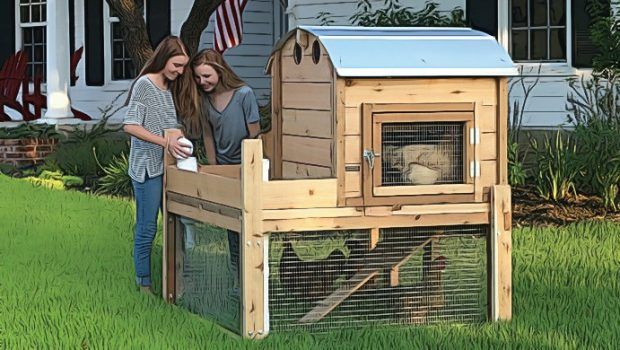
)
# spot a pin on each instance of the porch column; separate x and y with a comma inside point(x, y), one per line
point(58, 74)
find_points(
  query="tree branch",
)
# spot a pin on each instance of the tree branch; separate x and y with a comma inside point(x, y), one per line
point(196, 22)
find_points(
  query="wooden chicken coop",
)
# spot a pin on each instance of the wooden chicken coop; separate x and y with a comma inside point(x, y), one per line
point(387, 200)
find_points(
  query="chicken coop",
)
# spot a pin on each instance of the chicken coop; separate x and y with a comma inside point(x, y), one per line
point(386, 200)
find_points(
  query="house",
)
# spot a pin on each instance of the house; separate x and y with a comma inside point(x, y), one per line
point(550, 34)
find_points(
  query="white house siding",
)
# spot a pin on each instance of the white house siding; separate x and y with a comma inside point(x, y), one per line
point(248, 60)
point(304, 12)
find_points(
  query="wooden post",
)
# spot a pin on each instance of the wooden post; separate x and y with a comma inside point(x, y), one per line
point(502, 131)
point(168, 241)
point(501, 251)
point(252, 242)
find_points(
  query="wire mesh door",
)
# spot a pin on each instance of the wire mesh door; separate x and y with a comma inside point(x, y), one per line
point(207, 276)
point(409, 154)
point(333, 279)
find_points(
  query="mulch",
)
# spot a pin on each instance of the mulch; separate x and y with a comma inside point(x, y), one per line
point(531, 210)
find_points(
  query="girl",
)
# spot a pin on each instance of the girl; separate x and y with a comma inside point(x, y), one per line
point(229, 115)
point(151, 109)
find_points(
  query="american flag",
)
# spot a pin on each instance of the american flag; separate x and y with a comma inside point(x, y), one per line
point(229, 24)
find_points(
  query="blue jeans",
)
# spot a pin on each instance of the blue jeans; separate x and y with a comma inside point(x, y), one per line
point(148, 195)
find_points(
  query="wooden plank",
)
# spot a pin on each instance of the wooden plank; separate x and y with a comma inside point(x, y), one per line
point(412, 200)
point(395, 270)
point(367, 144)
point(307, 150)
point(315, 96)
point(276, 117)
point(352, 149)
point(337, 297)
point(423, 117)
point(488, 173)
point(488, 118)
point(204, 205)
point(284, 214)
point(353, 182)
point(423, 189)
point(502, 130)
point(210, 187)
point(423, 107)
point(477, 152)
point(307, 123)
point(353, 121)
point(206, 216)
point(413, 210)
point(339, 151)
point(501, 251)
point(307, 70)
point(291, 194)
point(488, 151)
point(252, 242)
point(374, 238)
point(232, 171)
point(291, 170)
point(437, 90)
point(365, 222)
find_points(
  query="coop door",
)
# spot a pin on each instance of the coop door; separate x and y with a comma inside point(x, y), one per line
point(419, 153)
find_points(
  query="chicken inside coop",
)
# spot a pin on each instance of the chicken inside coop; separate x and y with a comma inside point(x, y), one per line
point(422, 153)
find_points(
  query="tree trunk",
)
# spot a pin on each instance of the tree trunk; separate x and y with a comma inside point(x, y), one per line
point(135, 34)
point(196, 22)
point(134, 30)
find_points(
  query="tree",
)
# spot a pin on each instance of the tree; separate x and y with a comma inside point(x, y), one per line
point(134, 28)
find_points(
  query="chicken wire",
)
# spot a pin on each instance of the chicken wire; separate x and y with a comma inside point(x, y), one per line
point(207, 275)
point(316, 278)
point(422, 153)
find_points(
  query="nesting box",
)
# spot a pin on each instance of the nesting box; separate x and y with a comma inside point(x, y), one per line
point(387, 200)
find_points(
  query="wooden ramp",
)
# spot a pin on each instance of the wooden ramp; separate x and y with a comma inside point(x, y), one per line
point(356, 282)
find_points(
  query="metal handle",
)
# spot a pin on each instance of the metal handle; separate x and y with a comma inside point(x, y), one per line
point(370, 156)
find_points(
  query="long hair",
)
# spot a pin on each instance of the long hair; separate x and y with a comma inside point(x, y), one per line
point(184, 91)
point(228, 79)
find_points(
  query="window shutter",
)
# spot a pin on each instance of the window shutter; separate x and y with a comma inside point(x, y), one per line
point(7, 28)
point(482, 15)
point(93, 13)
point(158, 20)
point(584, 49)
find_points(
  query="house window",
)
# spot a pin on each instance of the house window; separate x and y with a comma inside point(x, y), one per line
point(32, 22)
point(122, 65)
point(538, 30)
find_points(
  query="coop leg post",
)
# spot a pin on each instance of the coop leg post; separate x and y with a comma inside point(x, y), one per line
point(168, 237)
point(252, 242)
point(501, 249)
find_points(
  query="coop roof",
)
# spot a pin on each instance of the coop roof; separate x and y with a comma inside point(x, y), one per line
point(409, 52)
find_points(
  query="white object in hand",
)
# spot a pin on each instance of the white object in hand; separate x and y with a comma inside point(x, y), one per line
point(187, 144)
point(189, 164)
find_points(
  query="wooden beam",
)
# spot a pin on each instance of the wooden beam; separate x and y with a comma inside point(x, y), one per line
point(365, 222)
point(252, 242)
point(167, 288)
point(374, 238)
point(292, 194)
point(213, 188)
point(501, 252)
point(395, 270)
point(502, 130)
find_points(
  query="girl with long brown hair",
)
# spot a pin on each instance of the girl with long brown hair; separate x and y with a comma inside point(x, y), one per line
point(229, 115)
point(151, 109)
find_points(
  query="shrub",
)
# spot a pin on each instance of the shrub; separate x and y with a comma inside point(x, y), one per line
point(116, 180)
point(395, 14)
point(31, 131)
point(556, 167)
point(517, 174)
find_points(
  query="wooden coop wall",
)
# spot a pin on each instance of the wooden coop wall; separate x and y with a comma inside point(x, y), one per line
point(489, 96)
point(301, 141)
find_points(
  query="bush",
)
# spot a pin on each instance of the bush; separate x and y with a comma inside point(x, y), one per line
point(556, 167)
point(396, 15)
point(116, 180)
point(517, 174)
point(30, 131)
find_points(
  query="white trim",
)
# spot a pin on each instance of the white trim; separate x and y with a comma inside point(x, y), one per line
point(425, 72)
point(404, 37)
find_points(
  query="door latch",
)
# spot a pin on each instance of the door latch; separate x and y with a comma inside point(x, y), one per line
point(370, 156)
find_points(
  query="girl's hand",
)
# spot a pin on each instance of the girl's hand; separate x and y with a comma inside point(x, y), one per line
point(177, 149)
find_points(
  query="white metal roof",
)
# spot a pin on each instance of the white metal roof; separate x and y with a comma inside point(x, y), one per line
point(406, 52)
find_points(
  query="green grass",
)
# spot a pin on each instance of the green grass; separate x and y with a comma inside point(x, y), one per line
point(66, 282)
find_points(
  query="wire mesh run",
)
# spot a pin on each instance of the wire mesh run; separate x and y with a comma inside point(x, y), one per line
point(422, 153)
point(208, 273)
point(332, 279)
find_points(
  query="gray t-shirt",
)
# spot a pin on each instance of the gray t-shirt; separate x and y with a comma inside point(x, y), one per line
point(152, 108)
point(229, 125)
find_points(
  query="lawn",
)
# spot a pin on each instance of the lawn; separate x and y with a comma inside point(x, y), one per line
point(66, 282)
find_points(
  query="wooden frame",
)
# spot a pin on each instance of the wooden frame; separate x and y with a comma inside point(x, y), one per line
point(374, 115)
